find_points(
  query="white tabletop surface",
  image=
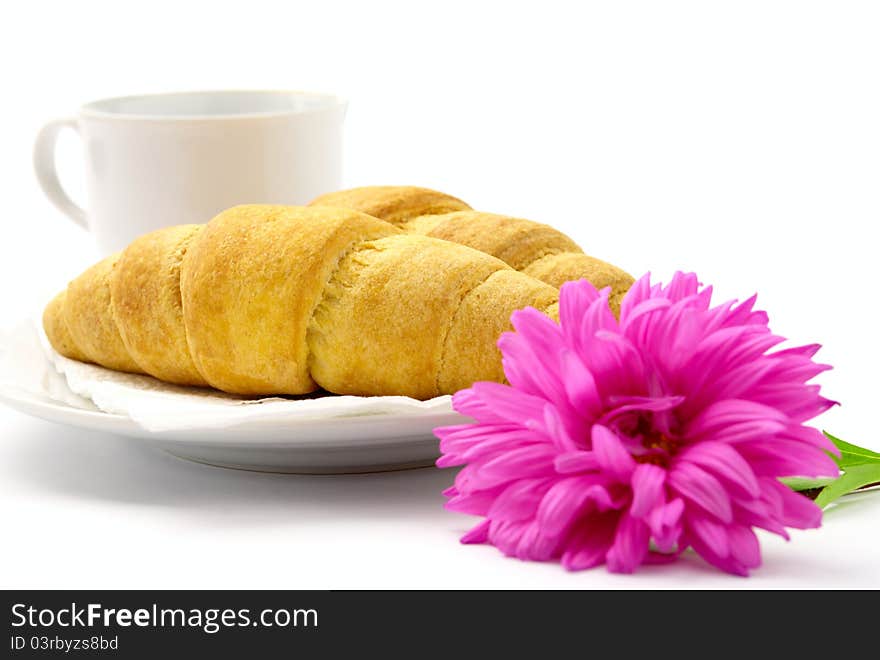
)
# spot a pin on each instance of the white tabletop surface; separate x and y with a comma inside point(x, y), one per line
point(91, 510)
point(740, 143)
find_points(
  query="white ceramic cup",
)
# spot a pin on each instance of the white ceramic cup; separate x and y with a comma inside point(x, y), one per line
point(167, 159)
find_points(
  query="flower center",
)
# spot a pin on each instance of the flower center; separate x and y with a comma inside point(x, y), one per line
point(658, 450)
point(647, 443)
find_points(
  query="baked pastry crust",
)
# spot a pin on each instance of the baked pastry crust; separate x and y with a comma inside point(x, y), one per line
point(147, 306)
point(269, 299)
point(250, 282)
point(394, 204)
point(534, 248)
point(88, 314)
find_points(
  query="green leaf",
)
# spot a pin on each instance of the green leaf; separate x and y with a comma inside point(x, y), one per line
point(852, 454)
point(860, 468)
point(803, 483)
point(855, 477)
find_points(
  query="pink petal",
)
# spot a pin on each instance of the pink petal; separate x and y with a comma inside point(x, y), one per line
point(575, 461)
point(535, 545)
point(728, 563)
point(508, 403)
point(780, 458)
point(798, 370)
point(674, 335)
point(475, 504)
point(682, 285)
point(701, 488)
point(469, 403)
point(647, 486)
point(638, 292)
point(532, 369)
point(616, 364)
point(798, 510)
point(598, 317)
point(519, 500)
point(756, 513)
point(712, 533)
point(456, 438)
point(557, 430)
point(538, 330)
point(628, 325)
point(743, 314)
point(744, 431)
point(464, 480)
point(810, 407)
point(630, 545)
point(444, 432)
point(625, 404)
point(612, 456)
point(744, 546)
point(506, 535)
point(739, 381)
point(493, 443)
point(529, 461)
point(574, 298)
point(732, 411)
point(660, 558)
point(589, 541)
point(730, 347)
point(802, 351)
point(580, 386)
point(813, 437)
point(724, 462)
point(665, 524)
point(568, 498)
point(478, 534)
point(449, 460)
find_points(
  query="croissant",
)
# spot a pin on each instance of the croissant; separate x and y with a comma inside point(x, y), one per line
point(269, 299)
point(530, 247)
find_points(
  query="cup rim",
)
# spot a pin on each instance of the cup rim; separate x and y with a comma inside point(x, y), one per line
point(94, 111)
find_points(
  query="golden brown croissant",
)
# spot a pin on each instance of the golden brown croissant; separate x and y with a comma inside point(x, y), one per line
point(531, 247)
point(284, 300)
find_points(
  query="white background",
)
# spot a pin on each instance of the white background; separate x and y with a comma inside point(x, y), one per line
point(738, 139)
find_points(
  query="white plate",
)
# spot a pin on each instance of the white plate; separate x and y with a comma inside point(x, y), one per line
point(335, 444)
point(370, 443)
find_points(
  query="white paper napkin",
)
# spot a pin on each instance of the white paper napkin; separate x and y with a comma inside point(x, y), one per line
point(28, 362)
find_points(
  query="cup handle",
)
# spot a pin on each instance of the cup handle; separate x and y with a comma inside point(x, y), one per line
point(47, 175)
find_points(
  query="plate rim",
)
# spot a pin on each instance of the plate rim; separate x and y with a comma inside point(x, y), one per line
point(57, 412)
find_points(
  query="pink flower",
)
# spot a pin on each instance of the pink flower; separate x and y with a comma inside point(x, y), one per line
point(628, 442)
